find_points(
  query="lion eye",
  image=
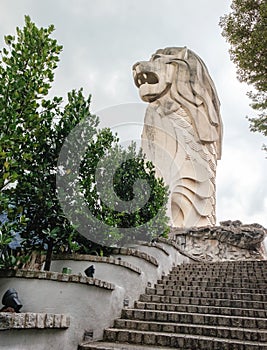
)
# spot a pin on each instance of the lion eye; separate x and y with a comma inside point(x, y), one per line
point(155, 57)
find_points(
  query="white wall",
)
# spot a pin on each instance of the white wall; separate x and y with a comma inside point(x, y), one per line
point(90, 308)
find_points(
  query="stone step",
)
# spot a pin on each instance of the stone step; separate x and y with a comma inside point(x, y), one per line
point(220, 302)
point(213, 287)
point(218, 280)
point(179, 341)
point(219, 267)
point(193, 329)
point(233, 263)
point(224, 268)
point(248, 272)
point(215, 306)
point(194, 318)
point(202, 309)
point(223, 276)
point(206, 294)
point(207, 276)
point(234, 269)
point(101, 345)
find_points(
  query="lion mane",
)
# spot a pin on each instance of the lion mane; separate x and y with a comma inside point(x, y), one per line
point(194, 89)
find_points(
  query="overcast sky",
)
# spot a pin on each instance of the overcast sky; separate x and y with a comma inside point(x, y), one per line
point(102, 40)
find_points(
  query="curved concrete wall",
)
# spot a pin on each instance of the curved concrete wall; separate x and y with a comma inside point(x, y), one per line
point(91, 304)
point(128, 280)
point(90, 309)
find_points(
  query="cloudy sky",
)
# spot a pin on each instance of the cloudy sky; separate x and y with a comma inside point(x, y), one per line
point(102, 39)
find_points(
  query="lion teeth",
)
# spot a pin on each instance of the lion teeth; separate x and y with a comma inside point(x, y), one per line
point(142, 78)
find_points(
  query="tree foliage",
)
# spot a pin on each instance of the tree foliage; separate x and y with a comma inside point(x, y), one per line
point(33, 129)
point(245, 28)
point(127, 196)
point(26, 71)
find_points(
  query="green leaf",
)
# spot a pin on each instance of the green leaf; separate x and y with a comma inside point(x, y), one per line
point(8, 39)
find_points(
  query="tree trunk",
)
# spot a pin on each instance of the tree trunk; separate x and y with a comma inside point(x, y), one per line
point(48, 258)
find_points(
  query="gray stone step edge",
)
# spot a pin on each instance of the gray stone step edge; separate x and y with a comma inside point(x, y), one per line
point(261, 322)
point(118, 346)
point(228, 263)
point(209, 288)
point(226, 283)
point(212, 329)
point(146, 298)
point(185, 337)
point(145, 306)
point(206, 294)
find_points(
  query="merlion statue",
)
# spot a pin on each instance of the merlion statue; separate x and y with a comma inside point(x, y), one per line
point(182, 133)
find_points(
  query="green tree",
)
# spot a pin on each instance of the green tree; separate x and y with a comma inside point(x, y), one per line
point(33, 129)
point(26, 73)
point(126, 197)
point(245, 28)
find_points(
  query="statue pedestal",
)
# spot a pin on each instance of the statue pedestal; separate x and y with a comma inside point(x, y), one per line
point(230, 241)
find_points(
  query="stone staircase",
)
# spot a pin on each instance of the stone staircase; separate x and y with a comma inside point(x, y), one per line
point(197, 306)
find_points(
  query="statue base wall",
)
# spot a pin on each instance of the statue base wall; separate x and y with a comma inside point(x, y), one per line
point(230, 241)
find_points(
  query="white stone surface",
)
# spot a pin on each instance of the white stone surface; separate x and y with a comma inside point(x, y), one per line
point(182, 132)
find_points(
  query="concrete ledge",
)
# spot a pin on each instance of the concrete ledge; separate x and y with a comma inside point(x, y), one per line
point(56, 276)
point(176, 246)
point(29, 320)
point(135, 253)
point(100, 259)
point(156, 245)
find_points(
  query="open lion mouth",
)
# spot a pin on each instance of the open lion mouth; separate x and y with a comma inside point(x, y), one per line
point(145, 78)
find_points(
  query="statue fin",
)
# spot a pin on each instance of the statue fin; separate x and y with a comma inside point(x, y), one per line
point(184, 53)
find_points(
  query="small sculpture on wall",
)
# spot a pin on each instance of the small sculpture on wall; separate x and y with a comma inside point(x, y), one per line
point(90, 271)
point(11, 301)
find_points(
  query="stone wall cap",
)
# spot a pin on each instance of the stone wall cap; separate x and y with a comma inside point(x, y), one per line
point(29, 320)
point(57, 277)
point(100, 259)
point(156, 245)
point(136, 253)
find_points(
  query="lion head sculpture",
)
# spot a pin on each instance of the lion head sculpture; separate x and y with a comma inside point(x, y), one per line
point(182, 132)
point(182, 74)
